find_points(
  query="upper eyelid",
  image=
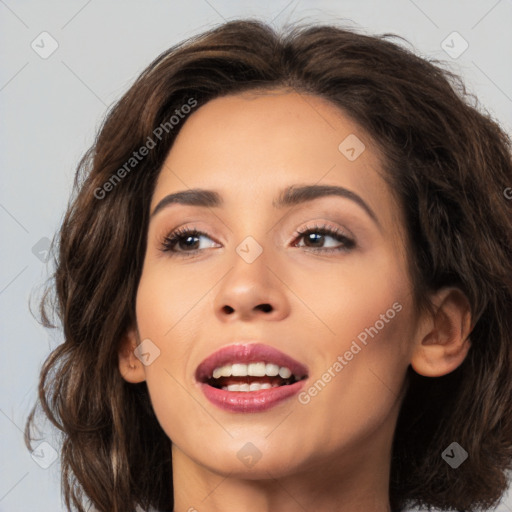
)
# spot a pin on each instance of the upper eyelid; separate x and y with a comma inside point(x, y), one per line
point(317, 224)
point(288, 218)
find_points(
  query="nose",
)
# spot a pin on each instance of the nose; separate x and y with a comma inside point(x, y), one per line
point(252, 291)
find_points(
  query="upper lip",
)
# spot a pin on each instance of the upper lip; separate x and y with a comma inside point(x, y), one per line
point(248, 353)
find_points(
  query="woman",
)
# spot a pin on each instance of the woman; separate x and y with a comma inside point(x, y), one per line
point(285, 283)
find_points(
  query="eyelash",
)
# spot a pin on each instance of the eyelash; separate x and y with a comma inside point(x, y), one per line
point(170, 241)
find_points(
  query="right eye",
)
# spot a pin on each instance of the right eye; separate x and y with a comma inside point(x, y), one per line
point(183, 240)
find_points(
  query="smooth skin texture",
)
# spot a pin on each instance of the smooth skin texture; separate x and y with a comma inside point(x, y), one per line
point(332, 453)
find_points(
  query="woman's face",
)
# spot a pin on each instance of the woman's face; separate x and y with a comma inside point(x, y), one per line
point(338, 303)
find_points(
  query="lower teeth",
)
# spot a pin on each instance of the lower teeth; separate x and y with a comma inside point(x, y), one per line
point(255, 386)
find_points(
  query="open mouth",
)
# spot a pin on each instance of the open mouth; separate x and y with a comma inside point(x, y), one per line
point(250, 367)
point(251, 377)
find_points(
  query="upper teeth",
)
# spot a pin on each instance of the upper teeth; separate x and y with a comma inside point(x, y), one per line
point(252, 370)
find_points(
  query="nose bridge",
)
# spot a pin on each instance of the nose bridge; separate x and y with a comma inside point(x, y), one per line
point(251, 288)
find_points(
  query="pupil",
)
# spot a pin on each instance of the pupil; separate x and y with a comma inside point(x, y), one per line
point(315, 237)
point(191, 237)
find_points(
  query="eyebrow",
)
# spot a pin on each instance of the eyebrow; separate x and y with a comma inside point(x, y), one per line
point(290, 196)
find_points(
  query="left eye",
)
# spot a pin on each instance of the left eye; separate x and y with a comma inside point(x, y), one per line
point(317, 235)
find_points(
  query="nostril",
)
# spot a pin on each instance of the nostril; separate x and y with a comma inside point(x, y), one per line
point(264, 307)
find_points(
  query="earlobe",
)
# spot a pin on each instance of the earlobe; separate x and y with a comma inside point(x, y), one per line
point(444, 342)
point(130, 367)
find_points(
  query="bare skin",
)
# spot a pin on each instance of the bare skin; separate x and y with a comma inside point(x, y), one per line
point(331, 450)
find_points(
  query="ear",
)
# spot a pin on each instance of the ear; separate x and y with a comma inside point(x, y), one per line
point(443, 341)
point(130, 367)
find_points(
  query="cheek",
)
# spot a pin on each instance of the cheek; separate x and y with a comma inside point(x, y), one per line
point(348, 298)
point(167, 304)
point(167, 317)
point(357, 387)
point(368, 314)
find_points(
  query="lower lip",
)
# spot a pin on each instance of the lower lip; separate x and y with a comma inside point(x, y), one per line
point(250, 401)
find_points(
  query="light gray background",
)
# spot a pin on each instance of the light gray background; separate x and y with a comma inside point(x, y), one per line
point(50, 109)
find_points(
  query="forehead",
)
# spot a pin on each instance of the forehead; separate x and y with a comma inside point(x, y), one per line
point(248, 146)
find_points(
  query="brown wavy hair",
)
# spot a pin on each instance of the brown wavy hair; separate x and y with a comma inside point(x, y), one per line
point(445, 159)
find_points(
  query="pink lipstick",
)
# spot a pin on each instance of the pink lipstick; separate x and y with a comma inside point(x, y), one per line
point(250, 377)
